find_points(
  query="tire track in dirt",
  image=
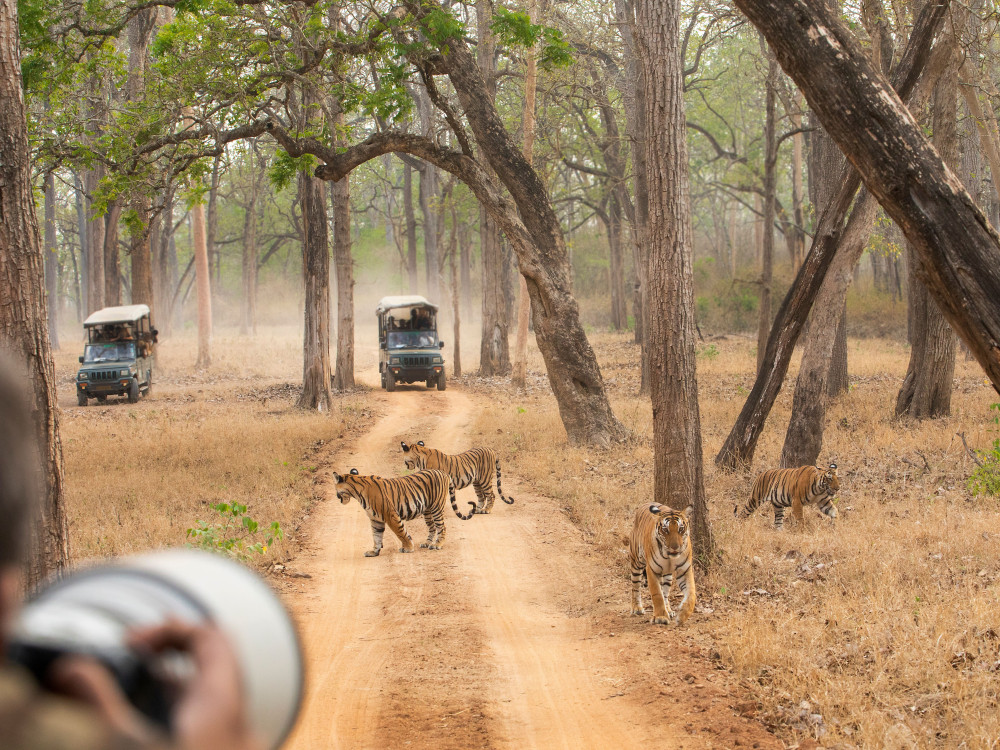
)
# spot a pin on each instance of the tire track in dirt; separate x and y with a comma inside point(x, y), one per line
point(492, 642)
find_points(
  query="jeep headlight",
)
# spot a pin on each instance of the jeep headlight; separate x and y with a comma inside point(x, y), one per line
point(438, 360)
point(125, 373)
point(393, 360)
point(82, 375)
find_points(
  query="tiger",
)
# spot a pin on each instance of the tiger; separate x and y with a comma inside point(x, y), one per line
point(805, 485)
point(659, 551)
point(473, 467)
point(392, 501)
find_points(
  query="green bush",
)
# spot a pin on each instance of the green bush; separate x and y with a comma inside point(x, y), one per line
point(985, 480)
point(236, 534)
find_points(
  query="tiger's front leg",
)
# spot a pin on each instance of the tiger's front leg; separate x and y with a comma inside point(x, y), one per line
point(435, 531)
point(396, 524)
point(662, 614)
point(636, 577)
point(378, 529)
point(685, 583)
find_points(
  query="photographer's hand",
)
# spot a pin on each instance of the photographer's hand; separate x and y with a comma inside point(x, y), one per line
point(210, 713)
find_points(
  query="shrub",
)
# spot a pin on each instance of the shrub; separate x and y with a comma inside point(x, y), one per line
point(237, 534)
point(985, 480)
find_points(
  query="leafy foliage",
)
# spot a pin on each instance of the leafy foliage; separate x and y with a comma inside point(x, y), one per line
point(236, 534)
point(985, 480)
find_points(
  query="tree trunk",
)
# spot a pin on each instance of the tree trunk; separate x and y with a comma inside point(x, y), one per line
point(316, 276)
point(838, 381)
point(519, 374)
point(23, 326)
point(465, 242)
point(430, 198)
point(494, 345)
point(955, 245)
point(163, 272)
point(204, 283)
point(95, 241)
point(340, 196)
point(678, 478)
point(804, 438)
point(112, 264)
point(411, 228)
point(140, 28)
point(83, 229)
point(634, 99)
point(927, 386)
point(456, 344)
point(248, 301)
point(51, 261)
point(770, 199)
point(739, 446)
point(211, 228)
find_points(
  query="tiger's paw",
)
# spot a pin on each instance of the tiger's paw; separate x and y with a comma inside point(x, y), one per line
point(481, 511)
point(433, 546)
point(372, 553)
point(424, 545)
point(404, 549)
point(639, 611)
point(661, 620)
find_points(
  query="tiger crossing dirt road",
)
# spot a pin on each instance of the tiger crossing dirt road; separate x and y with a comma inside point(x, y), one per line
point(514, 635)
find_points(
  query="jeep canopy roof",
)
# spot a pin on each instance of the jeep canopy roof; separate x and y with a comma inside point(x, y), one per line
point(111, 315)
point(409, 301)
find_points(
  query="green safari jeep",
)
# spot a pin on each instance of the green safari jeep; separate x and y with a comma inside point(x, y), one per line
point(408, 345)
point(118, 357)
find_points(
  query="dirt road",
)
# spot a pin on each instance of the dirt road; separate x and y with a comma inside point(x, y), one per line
point(512, 636)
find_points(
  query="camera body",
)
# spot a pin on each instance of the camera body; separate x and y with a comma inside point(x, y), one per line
point(91, 612)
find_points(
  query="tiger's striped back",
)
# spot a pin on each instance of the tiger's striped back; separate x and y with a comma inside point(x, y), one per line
point(659, 551)
point(391, 501)
point(784, 488)
point(477, 467)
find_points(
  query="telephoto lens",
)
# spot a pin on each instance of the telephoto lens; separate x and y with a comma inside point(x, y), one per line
point(91, 612)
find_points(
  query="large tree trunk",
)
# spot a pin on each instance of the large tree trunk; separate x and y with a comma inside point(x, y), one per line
point(51, 260)
point(140, 29)
point(520, 374)
point(204, 284)
point(340, 196)
point(456, 305)
point(430, 198)
point(84, 234)
point(95, 241)
point(926, 390)
point(211, 228)
point(739, 446)
point(112, 264)
point(411, 228)
point(162, 272)
point(316, 277)
point(955, 245)
point(770, 200)
point(23, 326)
point(465, 272)
point(678, 477)
point(494, 344)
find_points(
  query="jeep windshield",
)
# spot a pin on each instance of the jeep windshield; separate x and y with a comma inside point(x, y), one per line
point(109, 352)
point(410, 339)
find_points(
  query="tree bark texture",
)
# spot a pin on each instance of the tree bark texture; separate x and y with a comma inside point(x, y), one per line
point(112, 263)
point(739, 447)
point(456, 302)
point(23, 318)
point(82, 230)
point(956, 248)
point(927, 386)
point(340, 196)
point(95, 241)
point(51, 261)
point(204, 283)
point(140, 29)
point(248, 301)
point(211, 228)
point(678, 475)
point(430, 199)
point(316, 278)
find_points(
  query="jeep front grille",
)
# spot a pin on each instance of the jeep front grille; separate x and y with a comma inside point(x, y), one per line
point(416, 361)
point(103, 375)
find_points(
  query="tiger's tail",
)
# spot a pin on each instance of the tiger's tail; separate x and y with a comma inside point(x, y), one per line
point(500, 491)
point(454, 505)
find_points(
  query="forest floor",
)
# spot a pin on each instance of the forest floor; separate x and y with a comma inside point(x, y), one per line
point(517, 633)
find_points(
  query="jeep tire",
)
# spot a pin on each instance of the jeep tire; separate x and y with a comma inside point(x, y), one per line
point(149, 383)
point(81, 398)
point(133, 391)
point(441, 381)
point(390, 381)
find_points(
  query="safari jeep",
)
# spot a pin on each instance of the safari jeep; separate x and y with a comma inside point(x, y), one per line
point(118, 357)
point(409, 349)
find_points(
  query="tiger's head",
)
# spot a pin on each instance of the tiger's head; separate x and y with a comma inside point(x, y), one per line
point(416, 455)
point(673, 532)
point(348, 486)
point(828, 479)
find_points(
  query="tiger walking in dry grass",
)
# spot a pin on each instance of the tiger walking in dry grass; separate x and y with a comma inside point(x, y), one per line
point(783, 488)
point(476, 467)
point(390, 501)
point(659, 551)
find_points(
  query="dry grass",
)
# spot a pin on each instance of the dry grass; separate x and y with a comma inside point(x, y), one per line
point(138, 476)
point(880, 631)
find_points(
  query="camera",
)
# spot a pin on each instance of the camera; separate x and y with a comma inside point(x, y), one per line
point(90, 613)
